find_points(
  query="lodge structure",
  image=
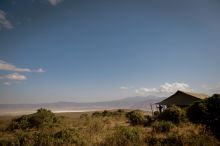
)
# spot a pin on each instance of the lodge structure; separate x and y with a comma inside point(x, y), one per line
point(182, 99)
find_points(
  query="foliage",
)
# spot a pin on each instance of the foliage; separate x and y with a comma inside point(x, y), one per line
point(39, 119)
point(107, 113)
point(174, 114)
point(184, 134)
point(84, 116)
point(69, 136)
point(170, 140)
point(207, 112)
point(96, 114)
point(135, 117)
point(148, 120)
point(42, 117)
point(77, 130)
point(124, 136)
point(162, 126)
point(197, 113)
point(156, 113)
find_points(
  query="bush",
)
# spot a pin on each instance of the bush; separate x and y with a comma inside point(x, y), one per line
point(69, 136)
point(207, 112)
point(135, 117)
point(148, 120)
point(96, 114)
point(106, 113)
point(124, 136)
point(84, 116)
point(43, 138)
point(24, 138)
point(121, 111)
point(20, 123)
point(174, 114)
point(41, 118)
point(197, 113)
point(162, 126)
point(172, 140)
point(156, 113)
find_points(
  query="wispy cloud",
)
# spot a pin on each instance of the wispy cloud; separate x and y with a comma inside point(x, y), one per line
point(214, 88)
point(124, 88)
point(164, 88)
point(54, 2)
point(14, 76)
point(4, 22)
point(7, 83)
point(10, 67)
point(172, 87)
point(143, 90)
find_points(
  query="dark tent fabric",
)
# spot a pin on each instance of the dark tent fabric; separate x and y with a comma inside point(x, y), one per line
point(181, 98)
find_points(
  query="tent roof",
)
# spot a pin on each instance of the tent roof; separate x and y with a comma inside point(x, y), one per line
point(183, 98)
point(197, 95)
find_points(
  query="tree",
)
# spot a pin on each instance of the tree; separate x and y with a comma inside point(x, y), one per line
point(173, 114)
point(207, 112)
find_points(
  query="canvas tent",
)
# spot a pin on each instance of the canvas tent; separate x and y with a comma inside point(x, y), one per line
point(181, 98)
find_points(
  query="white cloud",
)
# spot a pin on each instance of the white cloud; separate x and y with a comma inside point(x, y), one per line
point(54, 2)
point(40, 70)
point(173, 87)
point(4, 22)
point(143, 91)
point(10, 67)
point(164, 88)
point(14, 76)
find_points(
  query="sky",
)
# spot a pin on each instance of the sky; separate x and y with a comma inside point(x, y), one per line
point(100, 50)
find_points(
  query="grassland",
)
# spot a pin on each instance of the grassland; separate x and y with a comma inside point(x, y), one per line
point(103, 128)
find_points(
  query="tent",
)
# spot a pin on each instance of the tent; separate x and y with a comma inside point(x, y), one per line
point(183, 99)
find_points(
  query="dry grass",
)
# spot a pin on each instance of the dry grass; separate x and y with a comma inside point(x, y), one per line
point(111, 130)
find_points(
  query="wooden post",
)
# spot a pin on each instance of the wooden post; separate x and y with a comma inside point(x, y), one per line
point(151, 109)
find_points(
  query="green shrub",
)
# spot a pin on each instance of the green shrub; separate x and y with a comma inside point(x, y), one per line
point(7, 142)
point(162, 126)
point(148, 120)
point(174, 114)
point(39, 119)
point(96, 114)
point(95, 125)
point(84, 116)
point(156, 113)
point(175, 139)
point(135, 117)
point(172, 140)
point(124, 136)
point(169, 140)
point(198, 113)
point(20, 123)
point(43, 138)
point(106, 113)
point(121, 111)
point(23, 138)
point(69, 136)
point(207, 112)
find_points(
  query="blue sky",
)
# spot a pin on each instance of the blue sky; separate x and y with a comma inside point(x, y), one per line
point(98, 50)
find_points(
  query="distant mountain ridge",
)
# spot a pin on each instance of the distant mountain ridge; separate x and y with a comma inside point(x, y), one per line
point(137, 102)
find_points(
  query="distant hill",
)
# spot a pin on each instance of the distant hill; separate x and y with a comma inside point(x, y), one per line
point(137, 102)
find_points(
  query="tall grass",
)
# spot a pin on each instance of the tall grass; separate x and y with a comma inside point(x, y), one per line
point(108, 128)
